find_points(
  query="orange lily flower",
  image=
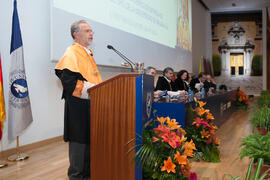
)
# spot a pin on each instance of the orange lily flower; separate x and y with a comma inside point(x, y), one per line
point(210, 116)
point(214, 127)
point(201, 111)
point(186, 169)
point(216, 140)
point(240, 99)
point(189, 147)
point(162, 120)
point(154, 139)
point(169, 166)
point(181, 139)
point(183, 132)
point(172, 124)
point(212, 131)
point(205, 134)
point(201, 103)
point(180, 159)
point(188, 152)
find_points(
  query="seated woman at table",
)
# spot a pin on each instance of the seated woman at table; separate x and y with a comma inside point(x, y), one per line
point(180, 82)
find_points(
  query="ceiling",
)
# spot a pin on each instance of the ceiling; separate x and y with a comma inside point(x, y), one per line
point(240, 5)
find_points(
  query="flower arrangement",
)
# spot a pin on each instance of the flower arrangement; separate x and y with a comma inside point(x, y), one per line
point(241, 99)
point(203, 133)
point(164, 151)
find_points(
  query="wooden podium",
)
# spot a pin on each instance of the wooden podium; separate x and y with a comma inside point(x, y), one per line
point(119, 108)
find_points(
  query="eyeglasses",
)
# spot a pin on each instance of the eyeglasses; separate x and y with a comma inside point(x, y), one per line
point(89, 31)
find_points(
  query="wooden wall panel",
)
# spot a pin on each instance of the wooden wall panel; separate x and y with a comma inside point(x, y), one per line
point(112, 126)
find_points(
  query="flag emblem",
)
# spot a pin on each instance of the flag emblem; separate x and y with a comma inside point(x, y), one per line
point(19, 90)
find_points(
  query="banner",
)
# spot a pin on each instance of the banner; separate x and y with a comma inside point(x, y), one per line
point(19, 109)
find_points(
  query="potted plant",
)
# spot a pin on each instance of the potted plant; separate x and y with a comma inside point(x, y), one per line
point(261, 120)
point(257, 146)
point(203, 133)
point(163, 151)
point(241, 99)
point(216, 59)
point(257, 64)
point(264, 99)
point(256, 174)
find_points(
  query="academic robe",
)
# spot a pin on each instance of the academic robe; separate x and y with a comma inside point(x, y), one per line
point(180, 85)
point(73, 69)
point(195, 81)
point(163, 84)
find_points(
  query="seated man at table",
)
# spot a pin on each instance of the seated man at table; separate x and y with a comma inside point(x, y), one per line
point(151, 71)
point(211, 82)
point(197, 83)
point(165, 82)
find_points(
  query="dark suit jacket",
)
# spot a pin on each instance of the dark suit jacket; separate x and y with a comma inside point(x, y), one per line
point(180, 85)
point(163, 84)
point(195, 81)
point(212, 85)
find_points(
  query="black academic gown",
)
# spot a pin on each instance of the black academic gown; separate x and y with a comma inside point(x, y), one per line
point(163, 84)
point(77, 110)
point(180, 85)
point(195, 81)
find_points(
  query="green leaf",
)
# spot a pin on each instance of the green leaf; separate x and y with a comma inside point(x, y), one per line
point(249, 169)
point(258, 168)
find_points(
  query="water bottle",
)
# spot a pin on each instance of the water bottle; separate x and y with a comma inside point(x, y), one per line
point(189, 95)
point(202, 92)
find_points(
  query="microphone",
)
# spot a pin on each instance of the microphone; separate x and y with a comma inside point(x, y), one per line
point(110, 47)
point(123, 57)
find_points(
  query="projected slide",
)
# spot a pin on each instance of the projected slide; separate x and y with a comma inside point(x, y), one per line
point(152, 19)
point(143, 30)
point(184, 24)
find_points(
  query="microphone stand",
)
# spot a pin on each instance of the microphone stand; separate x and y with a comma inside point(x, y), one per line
point(125, 58)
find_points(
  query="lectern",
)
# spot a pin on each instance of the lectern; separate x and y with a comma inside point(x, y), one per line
point(119, 107)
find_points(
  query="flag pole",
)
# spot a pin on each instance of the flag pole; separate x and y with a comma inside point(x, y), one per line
point(18, 156)
point(2, 162)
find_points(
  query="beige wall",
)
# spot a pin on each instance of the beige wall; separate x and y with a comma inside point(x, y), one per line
point(201, 34)
point(250, 30)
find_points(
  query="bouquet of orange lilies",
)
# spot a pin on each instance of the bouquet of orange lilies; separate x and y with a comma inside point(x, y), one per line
point(241, 99)
point(203, 133)
point(164, 151)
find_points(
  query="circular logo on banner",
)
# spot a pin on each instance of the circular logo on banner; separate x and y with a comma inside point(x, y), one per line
point(18, 96)
point(19, 88)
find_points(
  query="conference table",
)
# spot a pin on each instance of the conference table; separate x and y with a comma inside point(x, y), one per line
point(221, 105)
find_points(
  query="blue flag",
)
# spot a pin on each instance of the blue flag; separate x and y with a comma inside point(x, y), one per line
point(20, 115)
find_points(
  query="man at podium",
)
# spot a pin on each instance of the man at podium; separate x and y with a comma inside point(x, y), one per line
point(77, 71)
